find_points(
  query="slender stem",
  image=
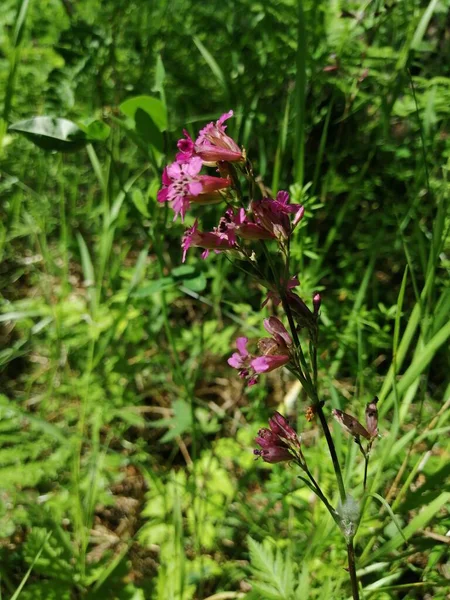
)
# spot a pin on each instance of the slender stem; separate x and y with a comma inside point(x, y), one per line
point(298, 346)
point(352, 569)
point(366, 466)
point(332, 449)
point(313, 393)
point(320, 494)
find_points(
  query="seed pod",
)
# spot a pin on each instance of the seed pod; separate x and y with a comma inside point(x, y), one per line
point(372, 417)
point(350, 424)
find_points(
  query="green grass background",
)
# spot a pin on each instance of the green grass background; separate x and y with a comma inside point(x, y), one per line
point(126, 469)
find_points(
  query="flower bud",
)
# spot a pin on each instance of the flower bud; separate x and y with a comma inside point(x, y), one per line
point(317, 301)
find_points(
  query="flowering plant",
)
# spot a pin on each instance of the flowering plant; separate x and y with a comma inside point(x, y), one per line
point(255, 232)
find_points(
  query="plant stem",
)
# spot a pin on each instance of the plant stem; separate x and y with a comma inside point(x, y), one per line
point(320, 494)
point(332, 449)
point(352, 569)
point(313, 393)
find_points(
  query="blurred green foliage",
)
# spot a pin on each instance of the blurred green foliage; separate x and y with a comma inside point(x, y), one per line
point(125, 440)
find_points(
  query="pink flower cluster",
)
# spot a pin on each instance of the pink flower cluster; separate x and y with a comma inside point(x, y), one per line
point(274, 352)
point(183, 185)
point(182, 182)
point(278, 443)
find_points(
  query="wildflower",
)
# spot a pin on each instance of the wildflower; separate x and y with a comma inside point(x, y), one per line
point(214, 145)
point(249, 230)
point(241, 360)
point(275, 350)
point(273, 215)
point(185, 147)
point(182, 185)
point(350, 424)
point(278, 443)
point(211, 240)
point(372, 417)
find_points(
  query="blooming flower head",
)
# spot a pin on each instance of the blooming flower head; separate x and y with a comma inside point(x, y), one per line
point(278, 443)
point(274, 352)
point(214, 145)
point(183, 184)
point(241, 360)
point(350, 424)
point(274, 215)
point(210, 240)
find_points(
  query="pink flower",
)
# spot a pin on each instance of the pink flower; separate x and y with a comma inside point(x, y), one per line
point(275, 349)
point(182, 185)
point(274, 215)
point(275, 352)
point(279, 332)
point(241, 360)
point(211, 240)
point(248, 230)
point(214, 145)
point(278, 443)
point(265, 364)
point(186, 148)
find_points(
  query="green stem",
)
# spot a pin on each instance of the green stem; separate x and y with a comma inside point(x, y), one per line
point(352, 569)
point(332, 449)
point(320, 494)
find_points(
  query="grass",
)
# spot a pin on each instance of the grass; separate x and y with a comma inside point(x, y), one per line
point(125, 439)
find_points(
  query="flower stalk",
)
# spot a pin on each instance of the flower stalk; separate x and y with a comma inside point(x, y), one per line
point(255, 233)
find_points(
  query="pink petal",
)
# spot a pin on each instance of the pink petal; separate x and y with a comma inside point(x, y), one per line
point(283, 197)
point(194, 166)
point(162, 195)
point(225, 117)
point(275, 327)
point(174, 170)
point(241, 345)
point(235, 361)
point(265, 364)
point(195, 188)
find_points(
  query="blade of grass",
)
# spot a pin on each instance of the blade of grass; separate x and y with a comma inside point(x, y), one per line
point(418, 522)
point(281, 147)
point(19, 28)
point(300, 97)
point(28, 573)
point(212, 64)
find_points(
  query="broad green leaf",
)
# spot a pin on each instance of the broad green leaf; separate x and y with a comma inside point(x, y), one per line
point(52, 133)
point(97, 131)
point(153, 107)
point(147, 130)
point(139, 202)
